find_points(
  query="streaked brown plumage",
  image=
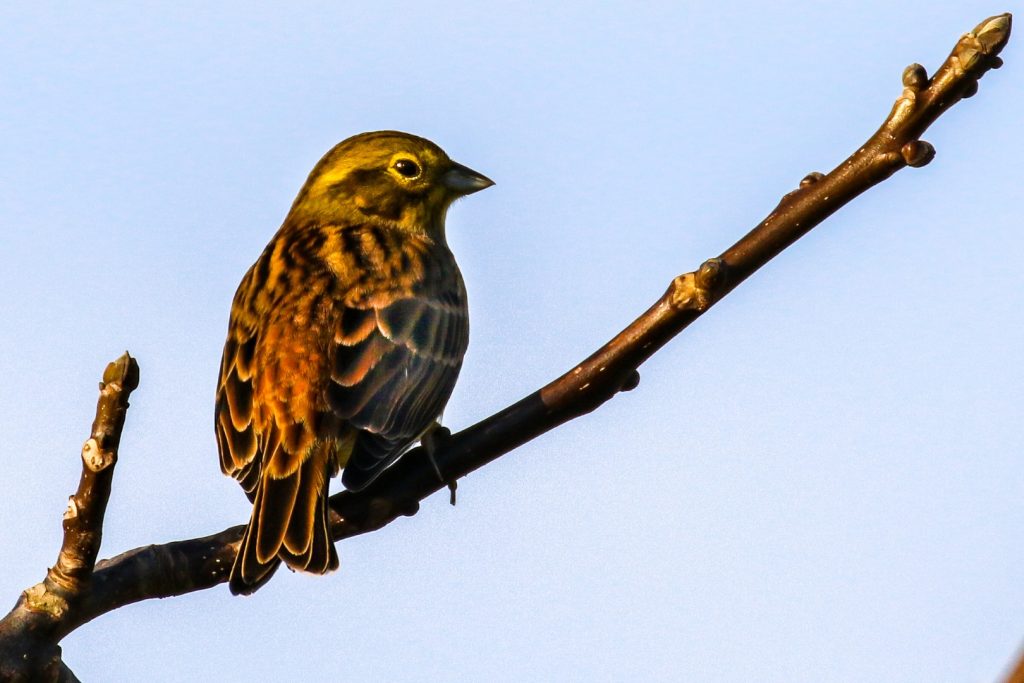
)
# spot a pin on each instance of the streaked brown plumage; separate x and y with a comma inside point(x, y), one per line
point(344, 343)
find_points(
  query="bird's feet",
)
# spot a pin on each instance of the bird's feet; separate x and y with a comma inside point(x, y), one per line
point(433, 440)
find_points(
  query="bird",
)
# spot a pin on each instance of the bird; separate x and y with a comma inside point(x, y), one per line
point(344, 343)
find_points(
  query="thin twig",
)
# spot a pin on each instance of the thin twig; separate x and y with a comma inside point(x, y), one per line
point(613, 367)
point(30, 633)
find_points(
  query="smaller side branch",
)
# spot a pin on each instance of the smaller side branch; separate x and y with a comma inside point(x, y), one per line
point(895, 145)
point(83, 519)
point(30, 633)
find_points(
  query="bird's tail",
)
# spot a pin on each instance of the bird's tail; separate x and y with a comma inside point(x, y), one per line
point(289, 522)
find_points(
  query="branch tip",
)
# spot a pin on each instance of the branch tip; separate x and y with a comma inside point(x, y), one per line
point(124, 372)
point(986, 41)
point(994, 32)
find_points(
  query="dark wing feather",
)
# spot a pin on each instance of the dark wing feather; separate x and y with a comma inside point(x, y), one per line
point(236, 433)
point(393, 378)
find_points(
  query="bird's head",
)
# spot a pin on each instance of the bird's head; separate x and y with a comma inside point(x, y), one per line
point(390, 177)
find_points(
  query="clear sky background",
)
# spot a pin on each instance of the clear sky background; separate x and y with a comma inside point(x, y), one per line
point(820, 480)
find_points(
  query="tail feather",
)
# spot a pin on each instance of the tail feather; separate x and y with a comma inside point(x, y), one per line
point(299, 534)
point(279, 499)
point(323, 557)
point(248, 574)
point(289, 522)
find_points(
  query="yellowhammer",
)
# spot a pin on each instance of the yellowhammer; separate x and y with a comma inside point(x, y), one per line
point(344, 343)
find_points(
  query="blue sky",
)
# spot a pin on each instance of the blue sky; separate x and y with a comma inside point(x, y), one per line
point(820, 480)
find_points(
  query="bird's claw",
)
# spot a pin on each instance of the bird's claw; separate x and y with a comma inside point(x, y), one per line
point(432, 442)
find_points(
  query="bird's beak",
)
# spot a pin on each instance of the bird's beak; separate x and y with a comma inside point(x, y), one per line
point(462, 180)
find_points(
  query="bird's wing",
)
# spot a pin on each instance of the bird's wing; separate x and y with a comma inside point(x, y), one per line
point(395, 366)
point(234, 426)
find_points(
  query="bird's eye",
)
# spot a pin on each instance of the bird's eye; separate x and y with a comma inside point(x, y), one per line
point(407, 168)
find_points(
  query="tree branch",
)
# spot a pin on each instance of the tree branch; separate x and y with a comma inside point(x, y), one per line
point(30, 633)
point(74, 592)
point(613, 367)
